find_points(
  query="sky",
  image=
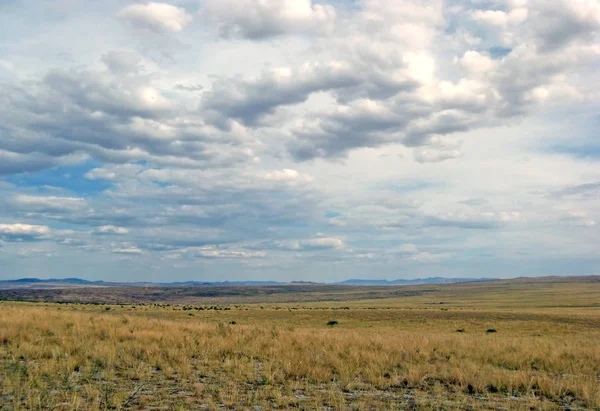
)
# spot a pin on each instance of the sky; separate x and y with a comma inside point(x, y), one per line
point(214, 140)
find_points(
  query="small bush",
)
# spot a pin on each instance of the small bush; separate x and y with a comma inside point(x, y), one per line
point(332, 323)
point(460, 330)
point(232, 323)
point(491, 330)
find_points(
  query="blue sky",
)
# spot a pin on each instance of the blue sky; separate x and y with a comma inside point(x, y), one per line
point(299, 140)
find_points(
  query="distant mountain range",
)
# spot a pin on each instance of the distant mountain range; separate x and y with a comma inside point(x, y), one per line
point(429, 280)
point(36, 283)
point(219, 283)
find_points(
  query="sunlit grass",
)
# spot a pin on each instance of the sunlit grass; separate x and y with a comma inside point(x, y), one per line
point(387, 354)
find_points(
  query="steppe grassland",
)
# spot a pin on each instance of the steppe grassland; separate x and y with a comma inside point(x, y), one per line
point(384, 354)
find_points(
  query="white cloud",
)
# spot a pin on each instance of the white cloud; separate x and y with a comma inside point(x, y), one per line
point(111, 229)
point(474, 62)
point(212, 252)
point(287, 175)
point(322, 243)
point(495, 17)
point(7, 65)
point(579, 217)
point(435, 156)
point(156, 16)
point(23, 229)
point(127, 250)
point(259, 19)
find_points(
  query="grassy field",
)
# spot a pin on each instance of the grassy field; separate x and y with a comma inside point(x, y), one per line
point(520, 344)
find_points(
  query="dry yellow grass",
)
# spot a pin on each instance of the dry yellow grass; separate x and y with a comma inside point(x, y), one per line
point(389, 355)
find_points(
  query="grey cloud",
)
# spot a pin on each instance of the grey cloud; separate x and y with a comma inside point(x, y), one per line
point(578, 218)
point(251, 100)
point(189, 87)
point(115, 117)
point(98, 92)
point(557, 24)
point(588, 190)
point(15, 163)
point(170, 209)
point(363, 124)
point(123, 62)
point(23, 232)
point(475, 202)
point(47, 204)
point(464, 223)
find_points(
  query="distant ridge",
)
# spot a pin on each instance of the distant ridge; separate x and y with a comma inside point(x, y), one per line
point(219, 283)
point(430, 280)
point(36, 283)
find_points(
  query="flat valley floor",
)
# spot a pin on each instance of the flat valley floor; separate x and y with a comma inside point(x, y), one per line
point(515, 344)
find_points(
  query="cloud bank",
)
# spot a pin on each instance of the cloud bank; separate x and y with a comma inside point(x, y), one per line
point(300, 139)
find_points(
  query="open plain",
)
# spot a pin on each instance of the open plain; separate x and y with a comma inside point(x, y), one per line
point(513, 344)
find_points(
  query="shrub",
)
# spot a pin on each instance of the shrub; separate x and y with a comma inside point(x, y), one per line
point(460, 330)
point(491, 330)
point(332, 323)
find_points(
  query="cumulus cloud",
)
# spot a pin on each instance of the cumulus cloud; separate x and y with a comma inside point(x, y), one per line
point(500, 18)
point(561, 23)
point(177, 208)
point(111, 229)
point(261, 19)
point(114, 116)
point(475, 62)
point(22, 232)
point(299, 119)
point(379, 89)
point(157, 17)
point(386, 90)
point(250, 100)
